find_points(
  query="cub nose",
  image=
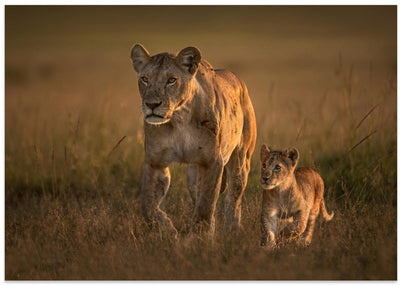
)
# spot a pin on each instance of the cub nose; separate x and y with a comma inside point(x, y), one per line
point(153, 105)
point(267, 176)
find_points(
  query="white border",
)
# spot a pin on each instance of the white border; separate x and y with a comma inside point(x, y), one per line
point(172, 2)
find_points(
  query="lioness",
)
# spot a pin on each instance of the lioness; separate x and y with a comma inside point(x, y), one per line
point(199, 116)
point(289, 192)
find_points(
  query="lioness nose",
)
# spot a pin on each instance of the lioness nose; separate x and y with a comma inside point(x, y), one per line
point(153, 105)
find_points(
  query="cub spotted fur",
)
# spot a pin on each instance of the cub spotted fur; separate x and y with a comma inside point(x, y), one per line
point(196, 115)
point(289, 192)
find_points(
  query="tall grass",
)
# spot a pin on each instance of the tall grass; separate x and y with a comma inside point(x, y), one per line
point(74, 147)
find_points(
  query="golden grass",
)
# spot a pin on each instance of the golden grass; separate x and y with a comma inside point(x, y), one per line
point(322, 79)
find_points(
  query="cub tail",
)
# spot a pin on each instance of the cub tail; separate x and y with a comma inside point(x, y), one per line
point(324, 212)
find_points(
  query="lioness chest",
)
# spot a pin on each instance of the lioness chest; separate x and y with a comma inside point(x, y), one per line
point(193, 143)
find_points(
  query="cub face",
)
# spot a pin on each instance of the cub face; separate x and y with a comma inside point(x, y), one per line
point(164, 81)
point(276, 166)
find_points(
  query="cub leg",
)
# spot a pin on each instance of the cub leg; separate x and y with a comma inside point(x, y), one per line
point(294, 229)
point(155, 183)
point(268, 228)
point(307, 235)
point(208, 187)
point(237, 169)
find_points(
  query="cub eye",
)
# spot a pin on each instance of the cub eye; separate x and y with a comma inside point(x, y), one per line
point(171, 80)
point(264, 165)
point(144, 79)
point(277, 168)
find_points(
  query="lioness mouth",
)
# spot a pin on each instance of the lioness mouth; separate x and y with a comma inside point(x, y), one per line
point(156, 119)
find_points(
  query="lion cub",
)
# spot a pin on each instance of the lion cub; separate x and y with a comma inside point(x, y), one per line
point(289, 192)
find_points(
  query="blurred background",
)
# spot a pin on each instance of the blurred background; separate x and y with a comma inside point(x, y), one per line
point(321, 78)
point(67, 62)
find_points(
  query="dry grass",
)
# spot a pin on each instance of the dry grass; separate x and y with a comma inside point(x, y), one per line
point(74, 141)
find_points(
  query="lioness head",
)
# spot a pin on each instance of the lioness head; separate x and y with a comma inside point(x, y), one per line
point(164, 81)
point(276, 166)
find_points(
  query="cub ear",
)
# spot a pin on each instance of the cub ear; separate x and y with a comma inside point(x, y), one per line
point(264, 152)
point(140, 57)
point(293, 155)
point(189, 58)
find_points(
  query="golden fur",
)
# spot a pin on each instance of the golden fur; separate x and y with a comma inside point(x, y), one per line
point(198, 116)
point(289, 192)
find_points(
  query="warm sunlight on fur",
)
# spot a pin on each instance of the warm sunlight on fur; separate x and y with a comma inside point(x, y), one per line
point(289, 192)
point(320, 78)
point(198, 116)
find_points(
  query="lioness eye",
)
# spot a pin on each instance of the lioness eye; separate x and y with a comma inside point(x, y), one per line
point(144, 79)
point(277, 168)
point(171, 80)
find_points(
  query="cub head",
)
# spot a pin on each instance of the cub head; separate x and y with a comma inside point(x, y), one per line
point(165, 81)
point(276, 166)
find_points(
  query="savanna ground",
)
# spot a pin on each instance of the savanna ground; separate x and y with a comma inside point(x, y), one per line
point(322, 79)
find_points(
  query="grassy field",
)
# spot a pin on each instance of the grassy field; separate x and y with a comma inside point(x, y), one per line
point(322, 79)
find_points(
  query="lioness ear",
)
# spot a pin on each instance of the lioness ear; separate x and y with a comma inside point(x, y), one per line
point(189, 58)
point(264, 152)
point(293, 155)
point(140, 57)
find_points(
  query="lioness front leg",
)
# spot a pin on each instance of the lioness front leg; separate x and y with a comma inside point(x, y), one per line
point(238, 169)
point(191, 175)
point(155, 184)
point(294, 229)
point(208, 187)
